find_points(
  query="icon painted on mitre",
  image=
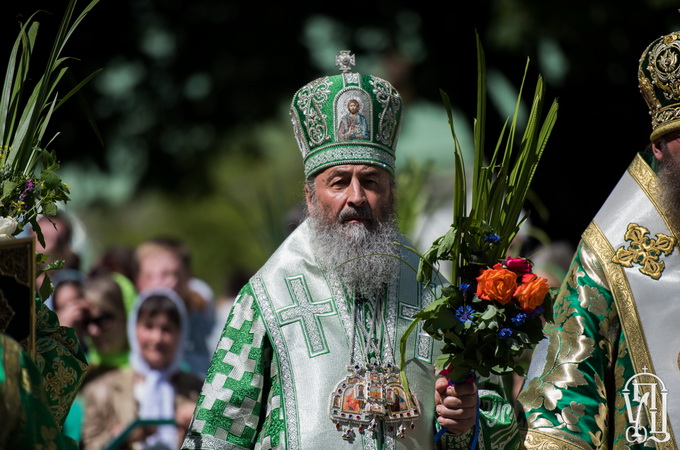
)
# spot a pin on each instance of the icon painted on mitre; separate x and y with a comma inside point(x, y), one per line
point(353, 124)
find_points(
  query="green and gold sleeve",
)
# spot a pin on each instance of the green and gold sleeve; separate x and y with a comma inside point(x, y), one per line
point(576, 400)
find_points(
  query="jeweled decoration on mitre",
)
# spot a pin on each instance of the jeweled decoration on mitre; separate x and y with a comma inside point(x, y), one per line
point(346, 119)
point(659, 78)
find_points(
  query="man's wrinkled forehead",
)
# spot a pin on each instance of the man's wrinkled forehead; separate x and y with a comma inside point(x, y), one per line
point(364, 170)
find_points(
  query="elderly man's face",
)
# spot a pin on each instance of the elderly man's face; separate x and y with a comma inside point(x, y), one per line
point(352, 194)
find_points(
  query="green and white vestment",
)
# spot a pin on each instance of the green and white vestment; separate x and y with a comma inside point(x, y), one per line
point(285, 347)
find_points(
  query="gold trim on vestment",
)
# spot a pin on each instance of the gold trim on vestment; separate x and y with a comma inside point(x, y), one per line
point(649, 183)
point(623, 298)
point(628, 314)
point(551, 439)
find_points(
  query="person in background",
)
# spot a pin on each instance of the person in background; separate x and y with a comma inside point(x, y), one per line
point(68, 301)
point(57, 232)
point(119, 262)
point(166, 262)
point(108, 344)
point(153, 387)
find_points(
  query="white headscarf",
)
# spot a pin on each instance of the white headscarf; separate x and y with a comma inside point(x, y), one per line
point(157, 400)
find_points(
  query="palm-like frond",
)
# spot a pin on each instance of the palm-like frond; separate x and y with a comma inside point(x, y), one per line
point(477, 332)
point(499, 188)
point(30, 185)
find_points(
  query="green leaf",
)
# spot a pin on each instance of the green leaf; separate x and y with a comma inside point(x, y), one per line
point(40, 258)
point(46, 288)
point(22, 126)
point(454, 339)
point(490, 313)
point(7, 187)
point(50, 179)
point(447, 243)
point(54, 265)
point(37, 230)
point(49, 209)
point(402, 348)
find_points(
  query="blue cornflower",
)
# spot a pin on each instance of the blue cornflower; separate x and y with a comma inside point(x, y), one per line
point(465, 287)
point(519, 319)
point(505, 333)
point(537, 312)
point(492, 238)
point(466, 314)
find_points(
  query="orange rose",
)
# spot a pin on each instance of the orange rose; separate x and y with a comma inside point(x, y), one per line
point(531, 292)
point(496, 284)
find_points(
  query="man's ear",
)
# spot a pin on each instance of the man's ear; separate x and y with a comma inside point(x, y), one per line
point(308, 197)
point(656, 149)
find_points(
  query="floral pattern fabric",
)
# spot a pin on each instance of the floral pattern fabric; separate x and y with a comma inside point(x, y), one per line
point(35, 396)
point(577, 399)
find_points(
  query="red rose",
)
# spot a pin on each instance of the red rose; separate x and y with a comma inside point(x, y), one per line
point(447, 370)
point(519, 265)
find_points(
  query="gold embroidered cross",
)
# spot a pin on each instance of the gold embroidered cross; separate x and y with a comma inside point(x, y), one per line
point(644, 250)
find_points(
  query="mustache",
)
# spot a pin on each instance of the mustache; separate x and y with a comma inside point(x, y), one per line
point(361, 212)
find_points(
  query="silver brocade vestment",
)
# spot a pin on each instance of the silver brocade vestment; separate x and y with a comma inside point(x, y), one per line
point(308, 321)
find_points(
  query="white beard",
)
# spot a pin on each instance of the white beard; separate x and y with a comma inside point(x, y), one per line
point(364, 259)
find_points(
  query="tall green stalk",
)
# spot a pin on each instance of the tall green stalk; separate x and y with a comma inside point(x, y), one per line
point(30, 185)
point(499, 188)
point(478, 240)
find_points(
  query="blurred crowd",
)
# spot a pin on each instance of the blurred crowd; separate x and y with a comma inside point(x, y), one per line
point(149, 327)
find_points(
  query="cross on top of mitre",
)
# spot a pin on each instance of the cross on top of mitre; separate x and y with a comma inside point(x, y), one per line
point(345, 61)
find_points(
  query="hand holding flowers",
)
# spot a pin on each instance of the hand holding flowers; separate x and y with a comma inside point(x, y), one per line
point(456, 405)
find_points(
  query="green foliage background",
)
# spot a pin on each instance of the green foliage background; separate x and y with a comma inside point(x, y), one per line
point(193, 96)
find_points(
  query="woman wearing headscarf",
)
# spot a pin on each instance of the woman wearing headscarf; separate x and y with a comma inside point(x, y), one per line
point(108, 346)
point(152, 388)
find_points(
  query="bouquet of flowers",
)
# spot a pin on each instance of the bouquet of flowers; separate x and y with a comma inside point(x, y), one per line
point(492, 310)
point(29, 183)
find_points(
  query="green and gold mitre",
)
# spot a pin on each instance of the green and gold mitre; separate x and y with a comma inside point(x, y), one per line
point(346, 119)
point(659, 78)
